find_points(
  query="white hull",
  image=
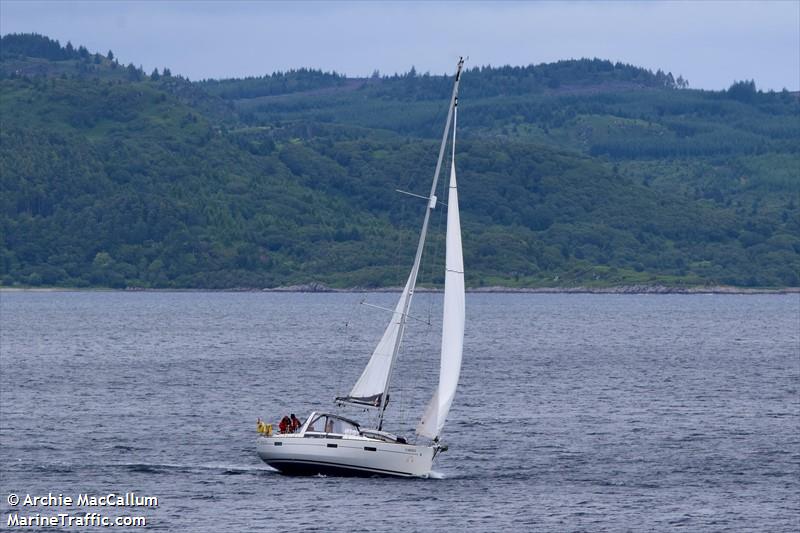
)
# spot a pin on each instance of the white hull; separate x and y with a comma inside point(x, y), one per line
point(295, 454)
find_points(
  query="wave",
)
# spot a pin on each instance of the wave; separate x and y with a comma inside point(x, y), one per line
point(222, 468)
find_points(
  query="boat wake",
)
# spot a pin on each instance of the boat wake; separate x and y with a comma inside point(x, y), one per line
point(157, 468)
point(152, 468)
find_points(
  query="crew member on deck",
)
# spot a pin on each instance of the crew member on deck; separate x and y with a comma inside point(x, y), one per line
point(295, 423)
point(285, 425)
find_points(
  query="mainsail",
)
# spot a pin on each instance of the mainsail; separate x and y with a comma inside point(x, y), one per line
point(453, 318)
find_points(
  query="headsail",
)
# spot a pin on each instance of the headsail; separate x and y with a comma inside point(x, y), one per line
point(370, 387)
point(453, 320)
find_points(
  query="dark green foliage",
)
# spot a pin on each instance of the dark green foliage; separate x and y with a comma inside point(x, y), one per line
point(34, 45)
point(271, 84)
point(484, 81)
point(743, 91)
point(575, 173)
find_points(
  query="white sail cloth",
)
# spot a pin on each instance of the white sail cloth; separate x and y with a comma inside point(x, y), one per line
point(435, 415)
point(372, 383)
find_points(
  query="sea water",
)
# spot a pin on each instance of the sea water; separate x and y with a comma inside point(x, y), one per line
point(574, 412)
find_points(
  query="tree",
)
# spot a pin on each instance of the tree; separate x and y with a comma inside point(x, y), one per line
point(134, 74)
point(31, 45)
point(155, 76)
point(110, 55)
point(743, 91)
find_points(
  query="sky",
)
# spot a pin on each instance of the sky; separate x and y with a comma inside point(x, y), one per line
point(711, 43)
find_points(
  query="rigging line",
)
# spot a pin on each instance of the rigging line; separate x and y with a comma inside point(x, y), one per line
point(426, 269)
point(348, 342)
point(436, 245)
point(428, 345)
point(432, 261)
point(435, 248)
point(395, 312)
point(412, 278)
point(428, 198)
point(405, 239)
point(343, 332)
point(412, 194)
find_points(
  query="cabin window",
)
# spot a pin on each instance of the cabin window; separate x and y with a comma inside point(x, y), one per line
point(330, 424)
point(321, 424)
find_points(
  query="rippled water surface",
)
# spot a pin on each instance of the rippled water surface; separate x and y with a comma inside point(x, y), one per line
point(575, 412)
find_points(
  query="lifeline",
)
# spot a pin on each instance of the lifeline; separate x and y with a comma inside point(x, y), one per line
point(129, 499)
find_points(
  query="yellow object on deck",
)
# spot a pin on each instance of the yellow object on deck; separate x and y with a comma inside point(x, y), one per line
point(264, 429)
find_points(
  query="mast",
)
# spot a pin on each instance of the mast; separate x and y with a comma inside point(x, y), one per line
point(412, 278)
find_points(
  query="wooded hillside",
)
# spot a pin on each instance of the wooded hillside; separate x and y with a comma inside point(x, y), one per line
point(579, 172)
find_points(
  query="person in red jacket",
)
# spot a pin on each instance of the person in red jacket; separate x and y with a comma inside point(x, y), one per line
point(285, 425)
point(295, 423)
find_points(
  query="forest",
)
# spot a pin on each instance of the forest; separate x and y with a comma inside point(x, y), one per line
point(576, 173)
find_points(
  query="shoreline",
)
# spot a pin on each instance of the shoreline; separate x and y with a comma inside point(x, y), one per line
point(319, 288)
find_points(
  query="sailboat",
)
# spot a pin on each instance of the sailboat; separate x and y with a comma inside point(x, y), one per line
point(330, 444)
